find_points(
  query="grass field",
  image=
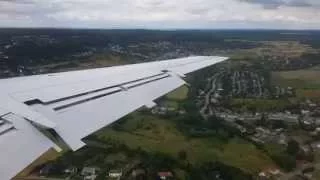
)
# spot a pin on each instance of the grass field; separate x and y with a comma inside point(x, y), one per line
point(102, 60)
point(260, 104)
point(96, 61)
point(170, 103)
point(158, 135)
point(179, 94)
point(308, 93)
point(316, 68)
point(302, 79)
point(306, 82)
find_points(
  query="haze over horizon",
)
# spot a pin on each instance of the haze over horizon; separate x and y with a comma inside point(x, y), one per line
point(158, 14)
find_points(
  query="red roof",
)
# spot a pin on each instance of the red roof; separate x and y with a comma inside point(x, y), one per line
point(165, 174)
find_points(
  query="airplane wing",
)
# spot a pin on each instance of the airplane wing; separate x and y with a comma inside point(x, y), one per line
point(38, 111)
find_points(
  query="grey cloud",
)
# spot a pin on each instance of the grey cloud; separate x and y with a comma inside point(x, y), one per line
point(160, 13)
point(18, 1)
point(273, 4)
point(27, 7)
point(199, 10)
point(156, 3)
point(301, 3)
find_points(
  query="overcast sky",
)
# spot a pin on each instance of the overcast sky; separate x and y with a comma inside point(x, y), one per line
point(161, 14)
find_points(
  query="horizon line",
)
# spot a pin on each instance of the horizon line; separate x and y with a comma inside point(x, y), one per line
point(164, 29)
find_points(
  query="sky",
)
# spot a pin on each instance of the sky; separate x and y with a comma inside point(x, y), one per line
point(162, 14)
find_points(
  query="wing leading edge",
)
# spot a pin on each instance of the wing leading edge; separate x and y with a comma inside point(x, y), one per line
point(38, 111)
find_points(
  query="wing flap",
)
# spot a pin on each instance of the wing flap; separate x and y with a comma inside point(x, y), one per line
point(21, 146)
point(72, 88)
point(100, 112)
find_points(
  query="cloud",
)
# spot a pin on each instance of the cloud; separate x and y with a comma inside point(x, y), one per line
point(272, 4)
point(161, 14)
point(18, 1)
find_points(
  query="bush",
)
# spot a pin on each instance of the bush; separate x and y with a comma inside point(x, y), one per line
point(293, 147)
point(285, 161)
point(182, 155)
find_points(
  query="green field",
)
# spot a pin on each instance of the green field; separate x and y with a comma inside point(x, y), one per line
point(308, 93)
point(96, 61)
point(153, 134)
point(179, 94)
point(259, 104)
point(306, 79)
point(169, 103)
point(306, 82)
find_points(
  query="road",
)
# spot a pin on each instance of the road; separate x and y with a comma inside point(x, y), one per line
point(208, 96)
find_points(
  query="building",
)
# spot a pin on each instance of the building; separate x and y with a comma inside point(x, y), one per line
point(89, 173)
point(263, 176)
point(289, 118)
point(90, 177)
point(165, 175)
point(115, 174)
point(138, 174)
point(71, 170)
point(272, 173)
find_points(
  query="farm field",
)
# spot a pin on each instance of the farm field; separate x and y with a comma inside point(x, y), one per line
point(306, 82)
point(154, 134)
point(304, 79)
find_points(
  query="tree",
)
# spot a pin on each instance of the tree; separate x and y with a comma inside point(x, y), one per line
point(182, 155)
point(214, 123)
point(285, 161)
point(263, 121)
point(293, 147)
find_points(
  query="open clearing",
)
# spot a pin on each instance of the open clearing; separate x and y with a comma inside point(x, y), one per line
point(297, 79)
point(259, 104)
point(308, 93)
point(153, 134)
point(306, 82)
point(96, 61)
point(179, 94)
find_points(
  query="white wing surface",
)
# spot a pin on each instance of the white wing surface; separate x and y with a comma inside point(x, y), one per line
point(36, 111)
